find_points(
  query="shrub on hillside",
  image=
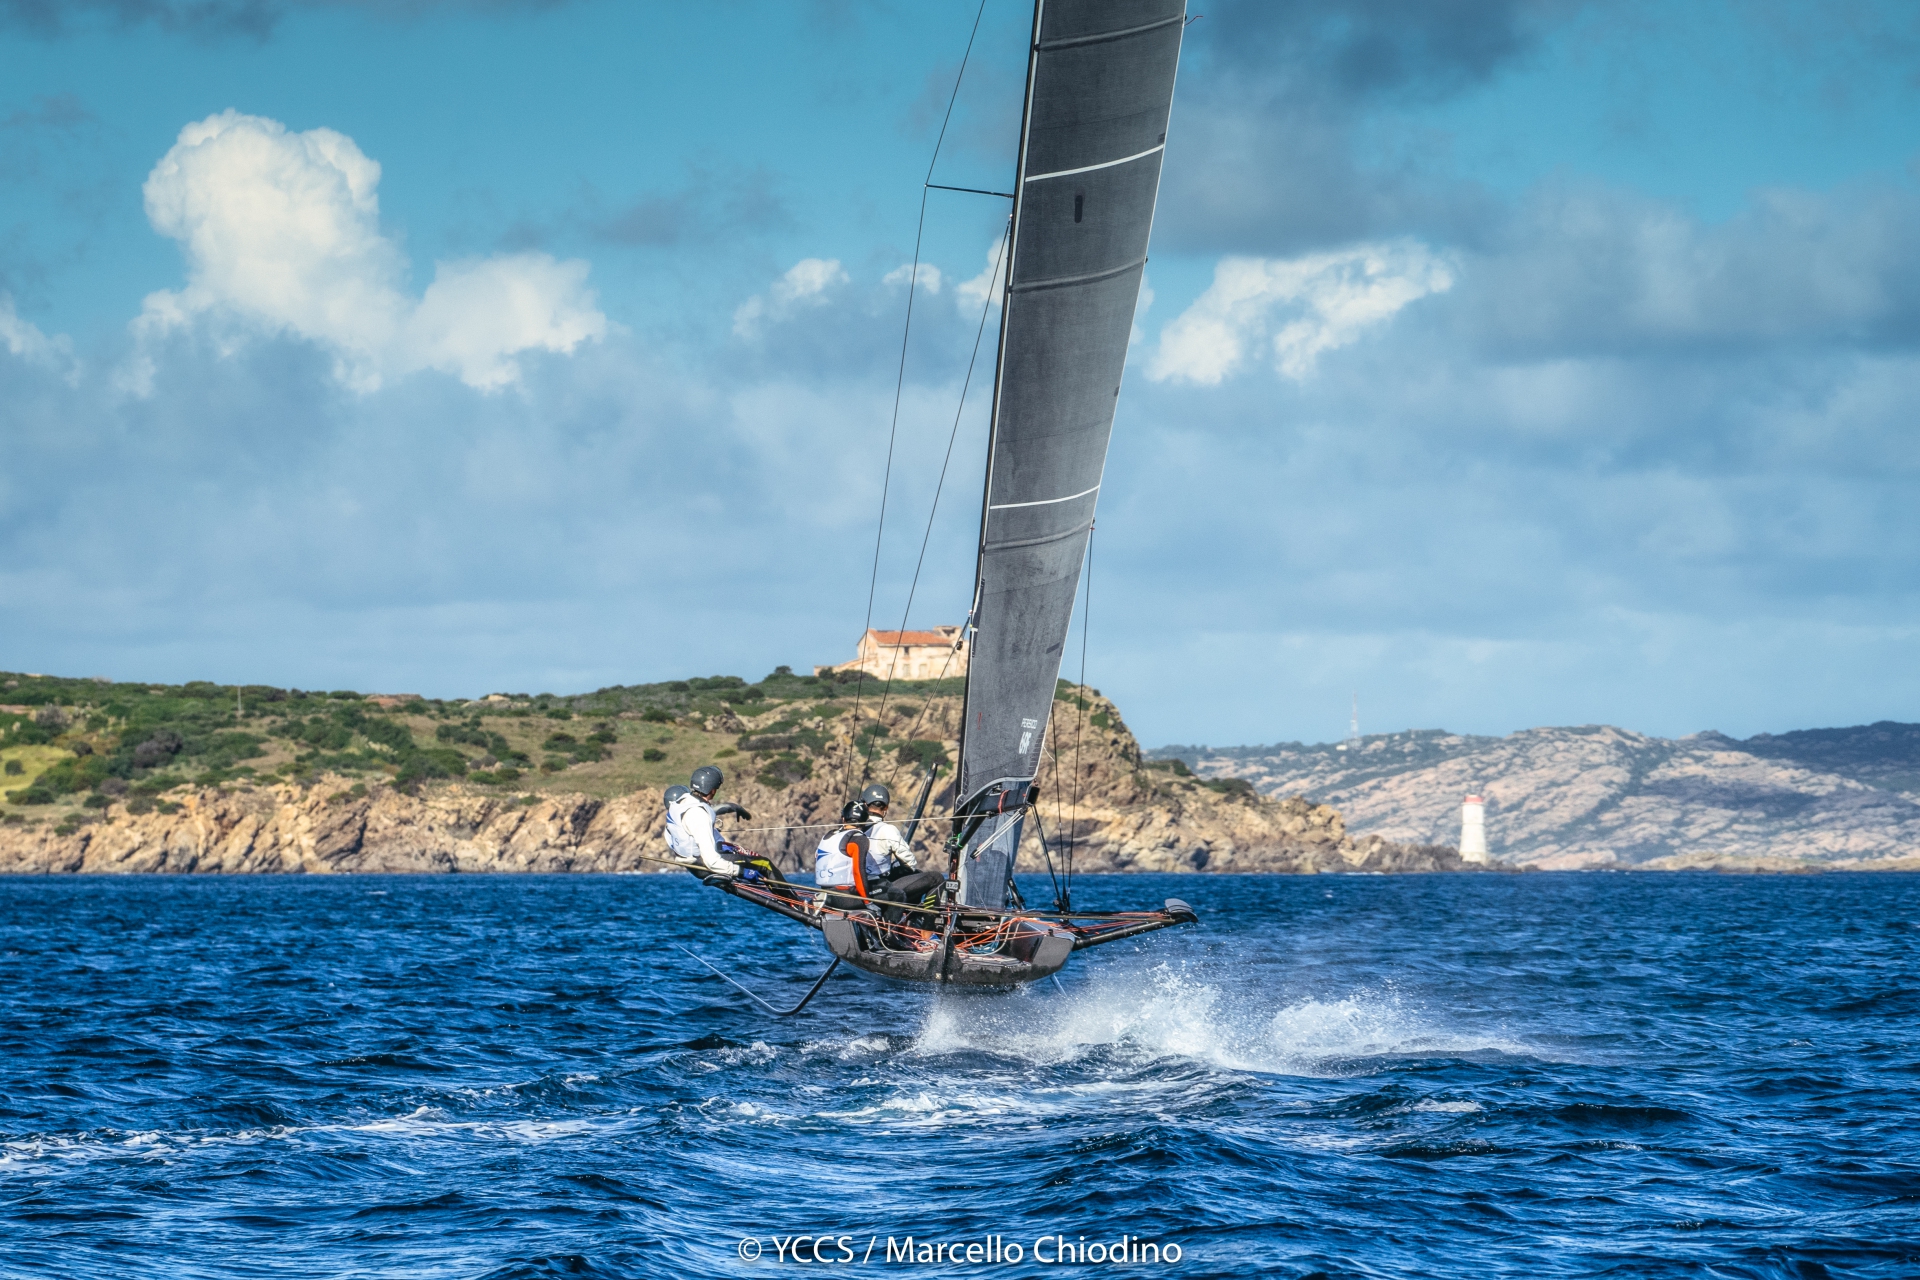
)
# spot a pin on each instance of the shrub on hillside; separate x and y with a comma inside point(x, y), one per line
point(653, 755)
point(78, 773)
point(783, 770)
point(15, 768)
point(430, 762)
point(920, 753)
point(654, 715)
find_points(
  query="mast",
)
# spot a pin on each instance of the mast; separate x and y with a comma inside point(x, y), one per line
point(1000, 357)
point(1092, 134)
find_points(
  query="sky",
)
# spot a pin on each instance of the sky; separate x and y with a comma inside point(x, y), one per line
point(1502, 363)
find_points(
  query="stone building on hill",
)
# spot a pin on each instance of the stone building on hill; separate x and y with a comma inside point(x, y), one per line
point(908, 655)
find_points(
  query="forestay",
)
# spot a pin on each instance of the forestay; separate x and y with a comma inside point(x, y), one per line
point(1099, 91)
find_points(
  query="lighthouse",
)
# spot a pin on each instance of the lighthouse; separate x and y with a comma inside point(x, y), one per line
point(1473, 830)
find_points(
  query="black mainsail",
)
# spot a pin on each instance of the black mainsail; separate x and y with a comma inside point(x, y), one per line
point(1099, 92)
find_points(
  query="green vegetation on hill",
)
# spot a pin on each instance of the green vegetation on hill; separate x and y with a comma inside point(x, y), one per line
point(81, 744)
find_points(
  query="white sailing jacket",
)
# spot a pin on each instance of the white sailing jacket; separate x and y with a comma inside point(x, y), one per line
point(690, 834)
point(888, 844)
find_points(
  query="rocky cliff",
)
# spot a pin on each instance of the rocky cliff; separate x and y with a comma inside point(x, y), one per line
point(1104, 804)
point(1598, 796)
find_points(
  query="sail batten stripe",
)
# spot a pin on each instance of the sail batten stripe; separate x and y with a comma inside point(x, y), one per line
point(1100, 37)
point(1091, 277)
point(1012, 544)
point(1044, 502)
point(1089, 168)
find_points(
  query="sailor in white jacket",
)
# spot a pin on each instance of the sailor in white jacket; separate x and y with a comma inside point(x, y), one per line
point(888, 844)
point(899, 876)
point(690, 823)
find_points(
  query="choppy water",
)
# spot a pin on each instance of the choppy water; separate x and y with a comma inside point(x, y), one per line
point(1544, 1075)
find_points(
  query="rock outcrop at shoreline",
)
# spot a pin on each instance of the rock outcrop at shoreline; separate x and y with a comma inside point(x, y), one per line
point(1126, 814)
point(288, 828)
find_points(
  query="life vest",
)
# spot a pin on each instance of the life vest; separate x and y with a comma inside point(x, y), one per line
point(837, 862)
point(685, 845)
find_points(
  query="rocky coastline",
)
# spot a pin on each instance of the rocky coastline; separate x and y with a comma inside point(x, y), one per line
point(1110, 810)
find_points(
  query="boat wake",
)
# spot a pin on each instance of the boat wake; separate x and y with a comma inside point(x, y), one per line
point(1168, 1011)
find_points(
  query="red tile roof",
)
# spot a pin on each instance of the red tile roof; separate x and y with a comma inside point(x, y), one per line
point(910, 637)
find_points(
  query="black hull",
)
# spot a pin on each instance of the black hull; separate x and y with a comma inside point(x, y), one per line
point(982, 950)
point(1030, 950)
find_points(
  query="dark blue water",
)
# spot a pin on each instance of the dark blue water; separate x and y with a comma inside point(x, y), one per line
point(1543, 1075)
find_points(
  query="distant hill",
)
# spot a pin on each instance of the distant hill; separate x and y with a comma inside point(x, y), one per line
point(1601, 796)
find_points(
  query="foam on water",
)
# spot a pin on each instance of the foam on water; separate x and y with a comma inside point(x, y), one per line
point(1172, 1011)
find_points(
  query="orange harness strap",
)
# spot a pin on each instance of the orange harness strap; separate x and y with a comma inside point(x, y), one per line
point(856, 847)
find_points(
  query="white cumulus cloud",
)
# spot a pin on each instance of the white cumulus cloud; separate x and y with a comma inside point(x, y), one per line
point(806, 284)
point(281, 230)
point(1295, 307)
point(24, 339)
point(929, 275)
point(971, 295)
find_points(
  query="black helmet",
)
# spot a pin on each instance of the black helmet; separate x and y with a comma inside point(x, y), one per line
point(705, 781)
point(674, 792)
point(853, 813)
point(876, 794)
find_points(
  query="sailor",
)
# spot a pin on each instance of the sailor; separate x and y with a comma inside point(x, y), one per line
point(692, 836)
point(897, 876)
point(842, 858)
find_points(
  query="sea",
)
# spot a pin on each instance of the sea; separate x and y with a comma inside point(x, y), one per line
point(496, 1077)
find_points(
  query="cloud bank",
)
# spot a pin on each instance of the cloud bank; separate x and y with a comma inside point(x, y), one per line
point(281, 233)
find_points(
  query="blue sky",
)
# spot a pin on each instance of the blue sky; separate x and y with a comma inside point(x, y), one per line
point(1509, 363)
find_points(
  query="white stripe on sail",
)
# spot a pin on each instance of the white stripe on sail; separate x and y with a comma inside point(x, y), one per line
point(1044, 502)
point(1105, 164)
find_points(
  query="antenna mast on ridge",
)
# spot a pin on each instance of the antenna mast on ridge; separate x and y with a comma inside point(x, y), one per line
point(1353, 725)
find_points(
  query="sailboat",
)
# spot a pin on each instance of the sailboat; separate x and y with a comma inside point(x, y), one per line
point(1093, 133)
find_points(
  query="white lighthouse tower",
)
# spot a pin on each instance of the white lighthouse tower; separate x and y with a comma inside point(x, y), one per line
point(1473, 830)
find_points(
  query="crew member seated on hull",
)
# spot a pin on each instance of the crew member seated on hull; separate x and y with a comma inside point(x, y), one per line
point(903, 880)
point(841, 861)
point(692, 836)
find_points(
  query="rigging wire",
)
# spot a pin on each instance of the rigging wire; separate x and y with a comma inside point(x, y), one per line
point(1040, 828)
point(915, 726)
point(900, 378)
point(986, 307)
point(1080, 725)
